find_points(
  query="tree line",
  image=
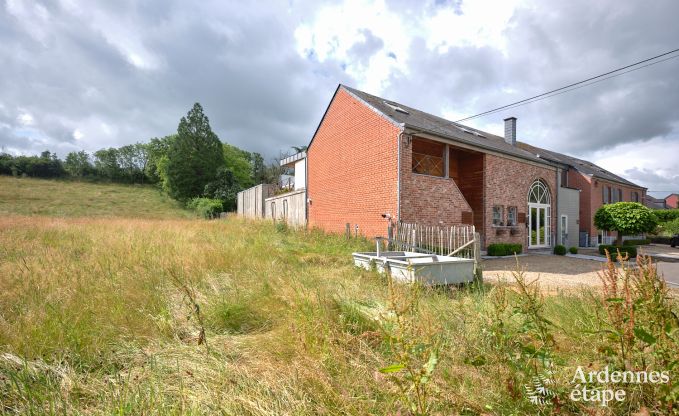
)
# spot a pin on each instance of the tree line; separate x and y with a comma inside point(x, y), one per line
point(192, 166)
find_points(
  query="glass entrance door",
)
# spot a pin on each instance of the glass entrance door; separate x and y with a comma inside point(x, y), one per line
point(539, 225)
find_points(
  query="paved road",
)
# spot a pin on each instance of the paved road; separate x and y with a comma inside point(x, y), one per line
point(671, 273)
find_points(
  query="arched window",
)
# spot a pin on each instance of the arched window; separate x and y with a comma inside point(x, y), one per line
point(539, 193)
point(539, 215)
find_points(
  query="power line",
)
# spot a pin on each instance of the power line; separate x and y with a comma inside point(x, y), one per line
point(569, 87)
point(519, 104)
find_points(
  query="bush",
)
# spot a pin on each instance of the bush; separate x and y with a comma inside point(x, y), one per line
point(573, 250)
point(666, 215)
point(669, 227)
point(660, 239)
point(643, 242)
point(631, 251)
point(206, 207)
point(560, 250)
point(504, 249)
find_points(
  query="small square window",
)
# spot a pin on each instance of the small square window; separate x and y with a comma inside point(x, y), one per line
point(512, 216)
point(498, 214)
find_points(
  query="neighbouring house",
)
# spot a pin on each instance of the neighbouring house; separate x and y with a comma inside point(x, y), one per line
point(672, 201)
point(371, 157)
point(597, 187)
point(289, 202)
point(655, 203)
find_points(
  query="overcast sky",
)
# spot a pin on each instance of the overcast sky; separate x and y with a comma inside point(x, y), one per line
point(88, 74)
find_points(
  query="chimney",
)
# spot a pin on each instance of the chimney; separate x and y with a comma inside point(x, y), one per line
point(510, 130)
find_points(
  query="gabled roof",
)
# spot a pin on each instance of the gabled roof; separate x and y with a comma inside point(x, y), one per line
point(581, 165)
point(428, 123)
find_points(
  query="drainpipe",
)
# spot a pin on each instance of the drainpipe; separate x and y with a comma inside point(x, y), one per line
point(556, 212)
point(400, 136)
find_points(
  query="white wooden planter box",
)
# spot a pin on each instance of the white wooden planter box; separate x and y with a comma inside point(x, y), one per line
point(408, 266)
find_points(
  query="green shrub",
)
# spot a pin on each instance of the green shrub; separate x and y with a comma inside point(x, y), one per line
point(669, 227)
point(660, 239)
point(643, 242)
point(205, 207)
point(666, 215)
point(631, 251)
point(560, 250)
point(573, 250)
point(504, 249)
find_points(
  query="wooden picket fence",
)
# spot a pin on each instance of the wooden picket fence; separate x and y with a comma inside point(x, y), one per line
point(457, 240)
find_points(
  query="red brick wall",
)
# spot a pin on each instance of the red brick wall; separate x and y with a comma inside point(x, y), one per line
point(507, 183)
point(429, 200)
point(352, 169)
point(596, 200)
point(672, 201)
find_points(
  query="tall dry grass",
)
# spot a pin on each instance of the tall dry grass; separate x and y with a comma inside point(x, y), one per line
point(94, 319)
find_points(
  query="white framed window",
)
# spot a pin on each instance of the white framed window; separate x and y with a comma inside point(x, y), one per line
point(498, 214)
point(512, 216)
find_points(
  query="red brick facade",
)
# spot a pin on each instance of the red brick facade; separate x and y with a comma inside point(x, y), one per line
point(596, 200)
point(428, 200)
point(352, 168)
point(507, 183)
point(672, 201)
point(353, 178)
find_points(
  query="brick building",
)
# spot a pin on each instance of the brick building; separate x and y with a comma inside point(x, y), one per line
point(370, 156)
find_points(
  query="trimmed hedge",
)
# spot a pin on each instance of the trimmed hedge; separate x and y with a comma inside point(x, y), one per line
point(660, 239)
point(560, 250)
point(631, 251)
point(643, 242)
point(573, 250)
point(504, 249)
point(666, 215)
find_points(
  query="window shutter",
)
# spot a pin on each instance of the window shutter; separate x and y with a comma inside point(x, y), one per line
point(521, 218)
point(467, 217)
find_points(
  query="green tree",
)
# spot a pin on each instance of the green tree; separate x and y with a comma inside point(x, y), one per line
point(259, 173)
point(238, 161)
point(194, 156)
point(224, 187)
point(627, 218)
point(77, 164)
point(157, 150)
point(106, 164)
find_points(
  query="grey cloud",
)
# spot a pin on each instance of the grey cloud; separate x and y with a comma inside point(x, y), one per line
point(659, 184)
point(239, 63)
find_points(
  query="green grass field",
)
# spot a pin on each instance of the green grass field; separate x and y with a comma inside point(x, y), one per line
point(107, 316)
point(58, 198)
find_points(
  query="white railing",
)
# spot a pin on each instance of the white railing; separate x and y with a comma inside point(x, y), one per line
point(456, 240)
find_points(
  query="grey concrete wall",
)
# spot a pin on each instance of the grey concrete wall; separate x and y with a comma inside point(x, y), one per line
point(569, 205)
point(289, 207)
point(251, 201)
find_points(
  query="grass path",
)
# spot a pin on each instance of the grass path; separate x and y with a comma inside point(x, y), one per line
point(58, 198)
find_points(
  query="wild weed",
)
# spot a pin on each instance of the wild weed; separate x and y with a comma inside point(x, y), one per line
point(414, 342)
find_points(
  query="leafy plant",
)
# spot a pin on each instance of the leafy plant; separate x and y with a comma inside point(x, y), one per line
point(573, 250)
point(414, 344)
point(627, 218)
point(615, 251)
point(504, 249)
point(206, 207)
point(560, 250)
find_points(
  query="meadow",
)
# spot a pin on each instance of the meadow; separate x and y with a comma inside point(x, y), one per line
point(146, 310)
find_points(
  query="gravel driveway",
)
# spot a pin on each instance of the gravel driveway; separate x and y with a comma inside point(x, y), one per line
point(553, 271)
point(560, 271)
